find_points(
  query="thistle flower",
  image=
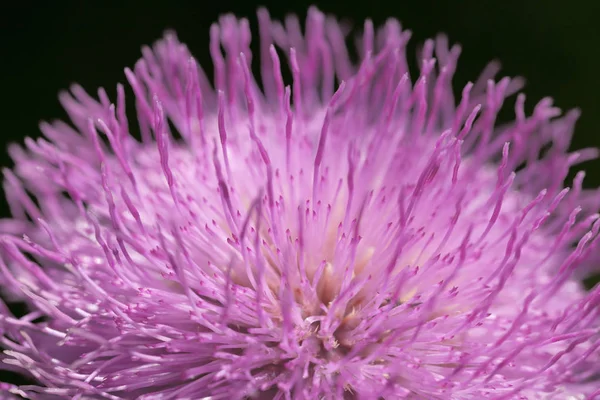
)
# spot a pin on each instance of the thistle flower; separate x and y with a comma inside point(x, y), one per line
point(372, 239)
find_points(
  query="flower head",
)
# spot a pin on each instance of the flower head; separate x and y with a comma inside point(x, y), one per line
point(372, 239)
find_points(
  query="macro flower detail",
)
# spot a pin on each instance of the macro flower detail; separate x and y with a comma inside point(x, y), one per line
point(354, 234)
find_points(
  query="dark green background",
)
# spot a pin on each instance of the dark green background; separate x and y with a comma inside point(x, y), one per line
point(552, 43)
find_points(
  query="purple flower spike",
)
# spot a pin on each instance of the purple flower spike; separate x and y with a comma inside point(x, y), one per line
point(372, 239)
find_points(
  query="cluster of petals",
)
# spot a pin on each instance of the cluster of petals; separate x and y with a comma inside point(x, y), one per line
point(356, 234)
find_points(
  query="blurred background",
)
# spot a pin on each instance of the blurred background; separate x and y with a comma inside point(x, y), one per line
point(47, 46)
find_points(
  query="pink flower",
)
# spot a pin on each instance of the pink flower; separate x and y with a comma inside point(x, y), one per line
point(363, 240)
